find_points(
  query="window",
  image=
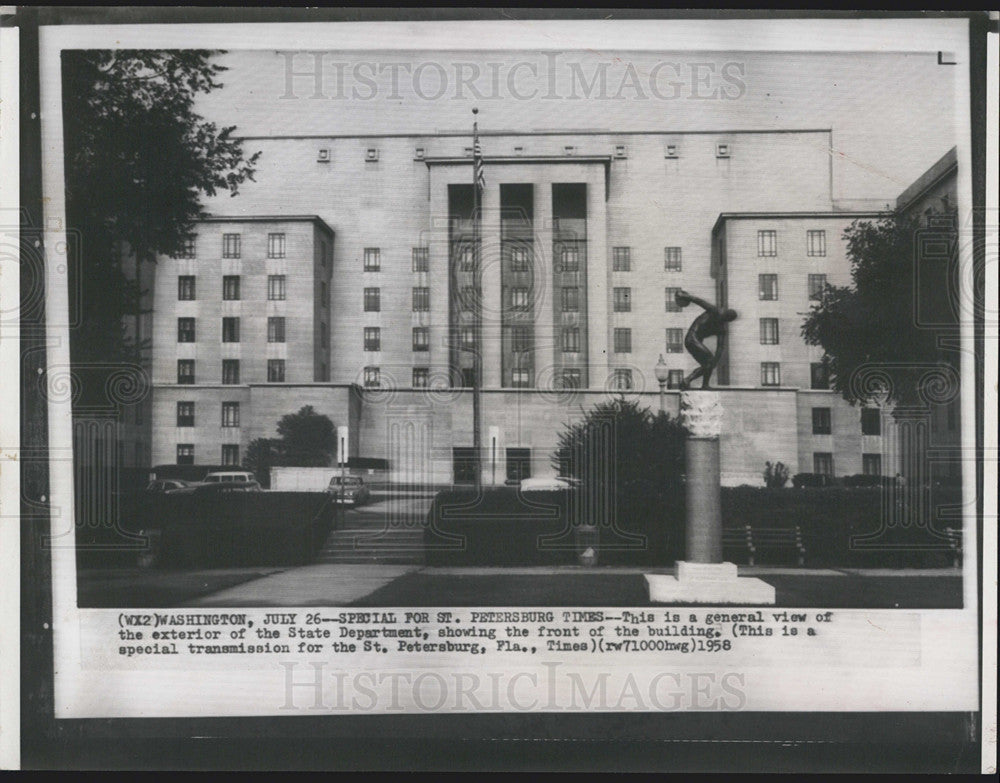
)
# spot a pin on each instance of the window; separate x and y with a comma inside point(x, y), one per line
point(871, 464)
point(276, 246)
point(230, 455)
point(518, 464)
point(230, 330)
point(816, 285)
point(464, 257)
point(519, 299)
point(569, 258)
point(468, 298)
point(520, 378)
point(871, 421)
point(185, 330)
point(230, 245)
point(373, 300)
point(823, 463)
point(623, 300)
point(623, 340)
point(185, 414)
point(324, 254)
point(185, 454)
point(768, 287)
point(421, 300)
point(570, 300)
point(767, 243)
point(276, 329)
point(185, 287)
point(819, 376)
point(768, 331)
point(230, 414)
point(324, 297)
point(421, 338)
point(373, 259)
point(722, 150)
point(670, 300)
point(324, 335)
point(421, 260)
point(571, 378)
point(276, 371)
point(185, 371)
point(468, 377)
point(815, 243)
point(420, 377)
point(186, 249)
point(675, 340)
point(373, 338)
point(276, 288)
point(230, 371)
point(675, 378)
point(519, 259)
point(467, 335)
point(372, 377)
point(621, 259)
point(672, 259)
point(520, 339)
point(571, 339)
point(231, 287)
point(770, 374)
point(821, 421)
point(622, 380)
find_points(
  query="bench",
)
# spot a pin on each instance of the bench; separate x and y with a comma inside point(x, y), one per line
point(765, 538)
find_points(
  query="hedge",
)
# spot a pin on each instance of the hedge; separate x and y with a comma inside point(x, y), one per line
point(225, 529)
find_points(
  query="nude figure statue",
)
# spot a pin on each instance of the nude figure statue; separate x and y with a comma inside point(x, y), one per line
point(711, 323)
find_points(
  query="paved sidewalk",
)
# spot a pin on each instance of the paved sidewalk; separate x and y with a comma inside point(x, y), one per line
point(324, 584)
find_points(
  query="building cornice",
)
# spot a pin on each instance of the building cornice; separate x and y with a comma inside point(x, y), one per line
point(316, 219)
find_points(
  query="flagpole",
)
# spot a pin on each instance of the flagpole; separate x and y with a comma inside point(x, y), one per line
point(478, 312)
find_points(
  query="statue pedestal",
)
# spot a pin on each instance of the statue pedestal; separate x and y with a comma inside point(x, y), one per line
point(703, 578)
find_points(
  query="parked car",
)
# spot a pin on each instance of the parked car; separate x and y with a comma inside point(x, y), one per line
point(228, 477)
point(160, 486)
point(225, 487)
point(547, 484)
point(349, 489)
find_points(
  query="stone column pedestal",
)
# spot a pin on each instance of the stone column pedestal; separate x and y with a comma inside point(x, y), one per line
point(703, 577)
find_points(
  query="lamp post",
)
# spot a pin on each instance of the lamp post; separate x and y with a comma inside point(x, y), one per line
point(662, 374)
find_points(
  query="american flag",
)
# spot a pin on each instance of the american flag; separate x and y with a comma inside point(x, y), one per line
point(477, 159)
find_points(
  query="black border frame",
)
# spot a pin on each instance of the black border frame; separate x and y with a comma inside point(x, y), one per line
point(859, 742)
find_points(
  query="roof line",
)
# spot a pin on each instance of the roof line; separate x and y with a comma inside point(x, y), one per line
point(272, 218)
point(816, 214)
point(482, 133)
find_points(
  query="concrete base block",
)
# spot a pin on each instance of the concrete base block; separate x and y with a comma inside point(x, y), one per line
point(708, 583)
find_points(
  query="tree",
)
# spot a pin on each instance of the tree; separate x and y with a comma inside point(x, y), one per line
point(261, 455)
point(138, 162)
point(307, 438)
point(874, 348)
point(638, 457)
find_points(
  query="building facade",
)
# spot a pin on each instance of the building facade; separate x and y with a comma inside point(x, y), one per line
point(584, 240)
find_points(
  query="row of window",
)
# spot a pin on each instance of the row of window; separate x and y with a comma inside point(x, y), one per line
point(767, 286)
point(276, 288)
point(871, 421)
point(232, 246)
point(230, 454)
point(767, 243)
point(230, 414)
point(231, 371)
point(871, 464)
point(231, 330)
point(621, 259)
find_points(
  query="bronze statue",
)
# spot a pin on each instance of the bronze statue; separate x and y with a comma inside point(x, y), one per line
point(711, 323)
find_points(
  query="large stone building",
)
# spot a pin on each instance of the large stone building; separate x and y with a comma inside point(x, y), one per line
point(341, 279)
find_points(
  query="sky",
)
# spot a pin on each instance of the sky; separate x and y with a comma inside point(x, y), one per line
point(892, 114)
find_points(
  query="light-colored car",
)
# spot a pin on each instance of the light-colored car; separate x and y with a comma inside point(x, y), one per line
point(349, 489)
point(164, 486)
point(547, 484)
point(228, 476)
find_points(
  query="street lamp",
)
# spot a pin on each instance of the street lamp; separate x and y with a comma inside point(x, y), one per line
point(662, 374)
